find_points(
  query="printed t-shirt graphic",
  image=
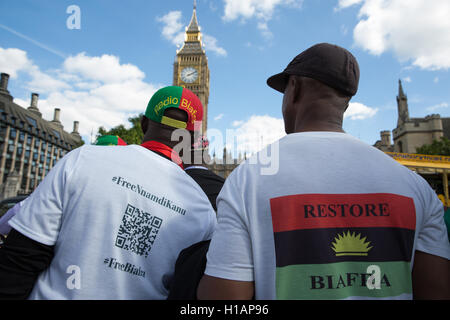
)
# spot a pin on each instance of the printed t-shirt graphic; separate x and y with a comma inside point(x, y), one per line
point(325, 244)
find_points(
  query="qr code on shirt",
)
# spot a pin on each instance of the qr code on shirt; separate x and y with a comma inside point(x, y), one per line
point(138, 231)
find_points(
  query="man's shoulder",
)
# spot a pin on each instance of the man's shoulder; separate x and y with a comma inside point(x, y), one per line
point(127, 153)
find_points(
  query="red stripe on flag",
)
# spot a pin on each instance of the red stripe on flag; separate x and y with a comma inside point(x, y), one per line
point(312, 211)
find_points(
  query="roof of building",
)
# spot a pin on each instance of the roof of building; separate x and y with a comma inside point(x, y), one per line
point(31, 122)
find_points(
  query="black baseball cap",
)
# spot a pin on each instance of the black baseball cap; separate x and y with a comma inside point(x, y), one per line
point(327, 63)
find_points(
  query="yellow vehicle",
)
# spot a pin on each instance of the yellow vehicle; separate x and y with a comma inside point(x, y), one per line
point(432, 168)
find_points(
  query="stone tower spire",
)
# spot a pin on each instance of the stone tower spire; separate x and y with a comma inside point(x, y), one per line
point(193, 29)
point(400, 89)
point(402, 105)
point(193, 25)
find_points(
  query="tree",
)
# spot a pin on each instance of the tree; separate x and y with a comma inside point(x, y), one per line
point(134, 135)
point(437, 147)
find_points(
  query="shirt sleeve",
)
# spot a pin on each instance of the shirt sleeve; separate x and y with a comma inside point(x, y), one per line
point(433, 237)
point(4, 225)
point(211, 226)
point(40, 216)
point(230, 255)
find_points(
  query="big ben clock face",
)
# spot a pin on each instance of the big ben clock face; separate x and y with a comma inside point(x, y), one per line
point(189, 75)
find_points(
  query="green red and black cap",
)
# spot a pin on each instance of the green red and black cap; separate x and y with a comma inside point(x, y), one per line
point(180, 98)
point(110, 140)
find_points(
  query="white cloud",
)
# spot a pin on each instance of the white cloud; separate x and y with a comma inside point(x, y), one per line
point(359, 111)
point(13, 61)
point(262, 10)
point(173, 31)
point(237, 123)
point(210, 44)
point(436, 80)
point(96, 91)
point(347, 3)
point(106, 68)
point(442, 105)
point(407, 79)
point(255, 133)
point(218, 117)
point(415, 30)
point(43, 82)
point(264, 28)
point(172, 27)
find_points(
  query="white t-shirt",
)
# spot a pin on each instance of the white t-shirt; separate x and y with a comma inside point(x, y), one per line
point(331, 218)
point(118, 218)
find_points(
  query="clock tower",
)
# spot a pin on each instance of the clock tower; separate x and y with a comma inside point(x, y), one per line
point(190, 69)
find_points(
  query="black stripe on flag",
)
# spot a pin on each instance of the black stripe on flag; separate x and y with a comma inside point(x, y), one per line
point(313, 246)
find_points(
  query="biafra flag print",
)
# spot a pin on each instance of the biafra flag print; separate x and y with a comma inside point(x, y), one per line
point(327, 246)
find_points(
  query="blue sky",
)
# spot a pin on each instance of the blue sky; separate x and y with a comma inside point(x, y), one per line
point(108, 69)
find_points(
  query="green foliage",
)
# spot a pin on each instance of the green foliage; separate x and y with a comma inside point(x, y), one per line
point(133, 135)
point(438, 147)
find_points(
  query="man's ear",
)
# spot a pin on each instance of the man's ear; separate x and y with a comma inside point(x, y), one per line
point(144, 124)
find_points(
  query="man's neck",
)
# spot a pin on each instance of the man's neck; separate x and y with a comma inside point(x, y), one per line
point(319, 128)
point(169, 143)
point(163, 150)
point(319, 115)
point(331, 124)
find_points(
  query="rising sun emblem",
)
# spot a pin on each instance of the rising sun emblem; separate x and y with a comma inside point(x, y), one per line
point(350, 245)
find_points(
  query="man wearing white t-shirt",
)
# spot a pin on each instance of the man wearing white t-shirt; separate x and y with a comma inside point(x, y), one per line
point(109, 222)
point(338, 220)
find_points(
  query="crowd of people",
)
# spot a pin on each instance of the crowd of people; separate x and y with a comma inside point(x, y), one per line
point(339, 219)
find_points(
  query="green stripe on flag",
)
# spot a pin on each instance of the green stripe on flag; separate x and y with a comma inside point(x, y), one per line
point(342, 280)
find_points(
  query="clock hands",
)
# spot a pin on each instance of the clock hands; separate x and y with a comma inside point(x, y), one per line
point(189, 75)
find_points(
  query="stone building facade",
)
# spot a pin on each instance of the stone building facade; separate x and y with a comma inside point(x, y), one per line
point(29, 145)
point(412, 133)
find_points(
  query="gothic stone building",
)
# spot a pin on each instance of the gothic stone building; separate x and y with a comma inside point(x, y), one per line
point(29, 145)
point(412, 133)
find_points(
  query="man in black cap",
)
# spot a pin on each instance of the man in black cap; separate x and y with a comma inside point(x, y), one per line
point(339, 220)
